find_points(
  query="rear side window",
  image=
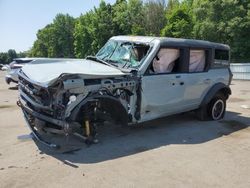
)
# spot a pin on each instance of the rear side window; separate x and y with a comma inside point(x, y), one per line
point(221, 59)
point(197, 60)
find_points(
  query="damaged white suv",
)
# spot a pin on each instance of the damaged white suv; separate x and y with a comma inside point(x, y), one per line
point(129, 81)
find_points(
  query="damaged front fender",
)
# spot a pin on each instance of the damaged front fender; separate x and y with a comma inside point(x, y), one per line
point(105, 104)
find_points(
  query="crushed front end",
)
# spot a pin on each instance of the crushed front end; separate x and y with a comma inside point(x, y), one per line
point(76, 106)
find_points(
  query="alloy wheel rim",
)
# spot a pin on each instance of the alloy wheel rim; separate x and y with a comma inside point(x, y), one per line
point(218, 109)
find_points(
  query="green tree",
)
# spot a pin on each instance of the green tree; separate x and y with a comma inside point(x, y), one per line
point(83, 35)
point(154, 16)
point(56, 39)
point(42, 45)
point(179, 22)
point(172, 4)
point(7, 57)
point(3, 58)
point(121, 18)
point(93, 30)
point(136, 17)
point(102, 25)
point(225, 21)
point(63, 29)
point(11, 55)
point(23, 54)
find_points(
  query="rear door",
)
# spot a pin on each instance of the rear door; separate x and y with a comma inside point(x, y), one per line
point(198, 79)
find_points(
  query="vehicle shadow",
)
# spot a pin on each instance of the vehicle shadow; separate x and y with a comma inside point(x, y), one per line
point(116, 142)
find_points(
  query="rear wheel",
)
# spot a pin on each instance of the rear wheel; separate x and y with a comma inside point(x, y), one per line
point(217, 108)
point(214, 110)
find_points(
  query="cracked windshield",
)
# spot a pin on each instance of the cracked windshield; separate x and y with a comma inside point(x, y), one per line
point(123, 54)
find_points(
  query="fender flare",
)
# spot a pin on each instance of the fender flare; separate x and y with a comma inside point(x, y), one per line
point(219, 87)
point(114, 106)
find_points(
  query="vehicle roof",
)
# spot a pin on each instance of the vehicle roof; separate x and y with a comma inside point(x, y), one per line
point(143, 39)
point(174, 42)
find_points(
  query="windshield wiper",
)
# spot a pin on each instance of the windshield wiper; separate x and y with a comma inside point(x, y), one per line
point(94, 58)
point(113, 62)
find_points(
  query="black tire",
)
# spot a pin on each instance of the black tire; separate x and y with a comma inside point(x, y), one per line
point(217, 107)
point(214, 110)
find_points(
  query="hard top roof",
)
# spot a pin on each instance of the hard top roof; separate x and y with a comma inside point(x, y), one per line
point(143, 39)
point(174, 42)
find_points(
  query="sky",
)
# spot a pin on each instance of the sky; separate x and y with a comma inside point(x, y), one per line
point(21, 19)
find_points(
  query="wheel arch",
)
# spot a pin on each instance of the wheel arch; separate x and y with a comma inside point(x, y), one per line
point(110, 103)
point(217, 88)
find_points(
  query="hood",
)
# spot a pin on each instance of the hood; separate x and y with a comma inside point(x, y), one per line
point(47, 71)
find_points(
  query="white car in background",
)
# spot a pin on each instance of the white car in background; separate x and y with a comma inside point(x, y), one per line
point(3, 67)
point(13, 68)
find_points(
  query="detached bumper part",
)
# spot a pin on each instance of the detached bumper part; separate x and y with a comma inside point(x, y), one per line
point(27, 111)
point(66, 128)
point(8, 79)
point(36, 135)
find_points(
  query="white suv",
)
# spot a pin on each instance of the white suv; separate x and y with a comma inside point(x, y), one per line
point(129, 81)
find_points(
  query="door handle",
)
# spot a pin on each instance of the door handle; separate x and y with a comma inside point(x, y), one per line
point(207, 81)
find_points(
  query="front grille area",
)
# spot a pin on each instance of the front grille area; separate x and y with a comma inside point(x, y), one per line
point(36, 97)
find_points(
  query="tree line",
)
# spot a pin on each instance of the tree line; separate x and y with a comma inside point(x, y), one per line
point(223, 21)
point(7, 57)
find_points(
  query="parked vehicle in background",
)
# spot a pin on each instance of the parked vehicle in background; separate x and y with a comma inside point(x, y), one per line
point(14, 67)
point(129, 81)
point(4, 67)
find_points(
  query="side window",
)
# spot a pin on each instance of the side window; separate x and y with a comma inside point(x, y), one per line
point(166, 61)
point(197, 60)
point(221, 59)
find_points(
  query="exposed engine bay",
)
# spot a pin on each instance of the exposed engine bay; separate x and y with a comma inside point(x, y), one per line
point(74, 96)
point(73, 105)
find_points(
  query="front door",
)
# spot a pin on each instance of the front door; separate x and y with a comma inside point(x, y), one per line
point(163, 85)
point(162, 94)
